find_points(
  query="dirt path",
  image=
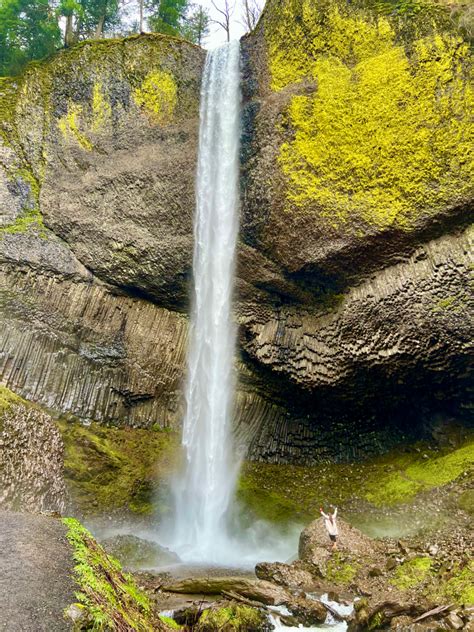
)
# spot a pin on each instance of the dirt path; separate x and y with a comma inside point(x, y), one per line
point(35, 570)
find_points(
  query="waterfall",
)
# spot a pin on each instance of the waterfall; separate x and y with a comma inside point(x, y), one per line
point(205, 488)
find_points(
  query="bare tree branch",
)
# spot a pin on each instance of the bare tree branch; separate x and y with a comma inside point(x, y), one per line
point(226, 10)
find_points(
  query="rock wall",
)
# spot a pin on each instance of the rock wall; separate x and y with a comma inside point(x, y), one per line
point(357, 194)
point(31, 458)
point(96, 208)
point(354, 253)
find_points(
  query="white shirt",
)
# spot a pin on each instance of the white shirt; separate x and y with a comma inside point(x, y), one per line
point(330, 522)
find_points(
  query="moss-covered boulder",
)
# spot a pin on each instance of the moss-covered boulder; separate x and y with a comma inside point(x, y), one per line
point(235, 617)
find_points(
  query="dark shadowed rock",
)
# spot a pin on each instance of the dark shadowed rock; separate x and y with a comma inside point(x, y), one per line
point(308, 612)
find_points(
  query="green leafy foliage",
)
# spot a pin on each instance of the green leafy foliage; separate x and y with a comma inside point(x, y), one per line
point(167, 16)
point(196, 25)
point(112, 599)
point(29, 29)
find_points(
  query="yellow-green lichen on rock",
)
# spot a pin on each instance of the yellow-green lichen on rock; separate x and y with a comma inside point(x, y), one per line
point(101, 108)
point(71, 123)
point(380, 131)
point(157, 95)
point(77, 122)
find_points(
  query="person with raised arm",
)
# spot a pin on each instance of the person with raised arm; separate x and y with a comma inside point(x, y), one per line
point(331, 526)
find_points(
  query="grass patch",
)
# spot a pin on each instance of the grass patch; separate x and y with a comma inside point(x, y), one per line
point(111, 597)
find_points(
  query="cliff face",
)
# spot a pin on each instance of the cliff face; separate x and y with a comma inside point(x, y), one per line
point(352, 288)
point(97, 201)
point(358, 182)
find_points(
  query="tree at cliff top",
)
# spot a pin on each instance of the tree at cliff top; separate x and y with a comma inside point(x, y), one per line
point(167, 16)
point(88, 18)
point(28, 30)
point(196, 27)
point(179, 18)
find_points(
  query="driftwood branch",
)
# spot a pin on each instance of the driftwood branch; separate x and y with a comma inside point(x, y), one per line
point(433, 612)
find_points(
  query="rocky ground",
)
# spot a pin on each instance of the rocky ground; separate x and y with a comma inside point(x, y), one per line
point(416, 584)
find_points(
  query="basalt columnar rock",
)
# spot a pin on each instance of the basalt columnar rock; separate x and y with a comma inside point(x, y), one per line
point(97, 202)
point(358, 174)
point(355, 250)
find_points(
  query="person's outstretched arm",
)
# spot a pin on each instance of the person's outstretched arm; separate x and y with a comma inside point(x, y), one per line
point(335, 512)
point(322, 513)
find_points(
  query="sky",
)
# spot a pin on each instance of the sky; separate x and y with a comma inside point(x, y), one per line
point(217, 34)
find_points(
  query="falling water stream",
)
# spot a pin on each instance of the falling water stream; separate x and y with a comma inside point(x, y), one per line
point(205, 488)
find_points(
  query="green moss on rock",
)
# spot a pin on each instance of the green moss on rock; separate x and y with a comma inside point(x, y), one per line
point(288, 493)
point(466, 501)
point(157, 95)
point(117, 468)
point(111, 598)
point(233, 618)
point(7, 398)
point(457, 586)
point(340, 571)
point(412, 573)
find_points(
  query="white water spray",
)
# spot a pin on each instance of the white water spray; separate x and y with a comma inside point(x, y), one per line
point(205, 489)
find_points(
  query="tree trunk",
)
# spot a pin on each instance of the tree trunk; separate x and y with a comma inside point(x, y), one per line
point(69, 34)
point(141, 16)
point(99, 29)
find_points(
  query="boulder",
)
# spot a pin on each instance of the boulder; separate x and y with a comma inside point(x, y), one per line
point(314, 543)
point(255, 589)
point(294, 575)
point(307, 612)
point(379, 615)
point(233, 618)
point(134, 552)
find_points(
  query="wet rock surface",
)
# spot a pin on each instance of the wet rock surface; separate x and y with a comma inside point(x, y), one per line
point(135, 553)
point(295, 575)
point(36, 566)
point(315, 546)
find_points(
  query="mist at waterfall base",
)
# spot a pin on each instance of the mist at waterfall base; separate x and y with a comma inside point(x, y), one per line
point(205, 526)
